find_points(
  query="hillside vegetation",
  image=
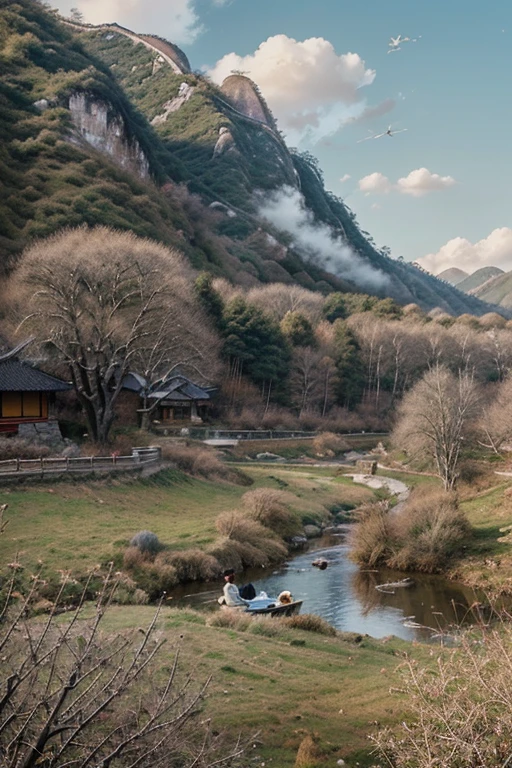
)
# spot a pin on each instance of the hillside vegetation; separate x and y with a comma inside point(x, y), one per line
point(196, 145)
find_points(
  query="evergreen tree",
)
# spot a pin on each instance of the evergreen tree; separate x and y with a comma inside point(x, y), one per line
point(335, 307)
point(349, 366)
point(255, 346)
point(209, 299)
point(298, 330)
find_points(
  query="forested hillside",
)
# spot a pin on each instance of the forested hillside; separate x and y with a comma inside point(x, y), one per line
point(101, 126)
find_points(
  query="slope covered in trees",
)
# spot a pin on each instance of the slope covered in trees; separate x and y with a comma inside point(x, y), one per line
point(171, 144)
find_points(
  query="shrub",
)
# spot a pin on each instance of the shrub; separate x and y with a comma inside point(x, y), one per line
point(309, 623)
point(147, 542)
point(190, 565)
point(18, 448)
point(230, 618)
point(245, 543)
point(370, 538)
point(429, 530)
point(329, 444)
point(422, 536)
point(156, 579)
point(199, 461)
point(269, 507)
point(135, 558)
point(460, 708)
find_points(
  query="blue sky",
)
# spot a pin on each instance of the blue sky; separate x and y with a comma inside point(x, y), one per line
point(450, 90)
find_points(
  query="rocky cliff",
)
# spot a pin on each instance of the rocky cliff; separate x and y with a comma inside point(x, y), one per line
point(99, 125)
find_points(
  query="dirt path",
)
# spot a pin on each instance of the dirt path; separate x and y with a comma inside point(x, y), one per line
point(395, 487)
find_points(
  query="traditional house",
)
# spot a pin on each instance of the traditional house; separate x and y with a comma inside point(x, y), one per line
point(27, 396)
point(175, 398)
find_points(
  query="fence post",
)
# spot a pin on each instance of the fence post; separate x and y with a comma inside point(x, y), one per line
point(17, 465)
point(67, 463)
point(92, 462)
point(42, 464)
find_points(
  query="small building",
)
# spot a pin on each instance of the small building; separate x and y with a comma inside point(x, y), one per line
point(27, 396)
point(173, 399)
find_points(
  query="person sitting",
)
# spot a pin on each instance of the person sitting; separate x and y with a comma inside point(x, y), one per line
point(232, 596)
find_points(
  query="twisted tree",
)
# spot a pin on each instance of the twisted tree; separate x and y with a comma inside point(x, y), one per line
point(102, 303)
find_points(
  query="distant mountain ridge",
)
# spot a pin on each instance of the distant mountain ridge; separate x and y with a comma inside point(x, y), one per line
point(477, 279)
point(104, 126)
point(453, 275)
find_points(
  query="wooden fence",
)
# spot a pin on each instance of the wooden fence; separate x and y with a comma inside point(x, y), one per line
point(140, 457)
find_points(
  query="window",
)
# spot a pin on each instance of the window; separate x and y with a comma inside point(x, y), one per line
point(23, 405)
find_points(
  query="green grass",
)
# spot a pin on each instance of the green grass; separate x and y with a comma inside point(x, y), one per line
point(74, 525)
point(278, 689)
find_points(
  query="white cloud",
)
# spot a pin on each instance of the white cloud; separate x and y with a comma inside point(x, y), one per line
point(175, 20)
point(285, 209)
point(310, 88)
point(345, 178)
point(418, 183)
point(495, 250)
point(421, 181)
point(375, 184)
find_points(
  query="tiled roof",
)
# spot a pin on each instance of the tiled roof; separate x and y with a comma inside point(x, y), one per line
point(17, 376)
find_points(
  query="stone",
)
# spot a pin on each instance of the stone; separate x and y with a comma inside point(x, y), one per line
point(41, 104)
point(312, 531)
point(98, 124)
point(266, 456)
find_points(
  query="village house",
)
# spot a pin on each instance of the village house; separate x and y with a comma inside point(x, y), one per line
point(173, 399)
point(27, 397)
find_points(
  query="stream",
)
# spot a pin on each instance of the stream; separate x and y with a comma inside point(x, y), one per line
point(346, 597)
point(343, 594)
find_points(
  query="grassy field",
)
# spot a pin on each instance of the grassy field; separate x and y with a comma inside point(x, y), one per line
point(74, 525)
point(281, 687)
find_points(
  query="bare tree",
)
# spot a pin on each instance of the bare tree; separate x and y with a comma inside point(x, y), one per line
point(434, 417)
point(104, 302)
point(277, 299)
point(460, 706)
point(74, 695)
point(495, 425)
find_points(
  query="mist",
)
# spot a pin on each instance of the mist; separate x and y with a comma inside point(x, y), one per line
point(317, 242)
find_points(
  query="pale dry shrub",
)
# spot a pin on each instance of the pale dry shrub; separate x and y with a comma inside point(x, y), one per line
point(309, 623)
point(343, 420)
point(429, 530)
point(460, 706)
point(245, 543)
point(227, 552)
point(190, 565)
point(237, 526)
point(280, 419)
point(230, 618)
point(156, 579)
point(371, 537)
point(135, 558)
point(329, 444)
point(309, 754)
point(199, 461)
point(270, 508)
point(18, 448)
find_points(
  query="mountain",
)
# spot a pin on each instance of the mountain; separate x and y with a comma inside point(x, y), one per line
point(478, 278)
point(100, 125)
point(453, 275)
point(497, 290)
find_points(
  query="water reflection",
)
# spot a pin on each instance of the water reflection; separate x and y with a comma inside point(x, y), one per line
point(346, 596)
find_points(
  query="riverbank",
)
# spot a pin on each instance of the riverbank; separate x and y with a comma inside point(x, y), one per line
point(279, 684)
point(74, 525)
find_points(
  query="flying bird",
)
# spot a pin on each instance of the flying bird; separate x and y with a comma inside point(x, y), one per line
point(389, 132)
point(396, 42)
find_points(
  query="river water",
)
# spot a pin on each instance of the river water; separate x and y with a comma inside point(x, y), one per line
point(346, 596)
